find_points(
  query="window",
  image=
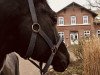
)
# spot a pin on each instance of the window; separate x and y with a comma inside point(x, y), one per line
point(85, 19)
point(74, 37)
point(73, 20)
point(86, 33)
point(98, 33)
point(60, 20)
point(62, 35)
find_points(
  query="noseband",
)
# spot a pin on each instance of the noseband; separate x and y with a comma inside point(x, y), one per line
point(37, 30)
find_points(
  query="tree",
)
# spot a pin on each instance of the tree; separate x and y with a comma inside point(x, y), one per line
point(94, 4)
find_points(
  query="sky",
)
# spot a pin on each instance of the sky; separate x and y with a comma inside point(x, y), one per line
point(57, 5)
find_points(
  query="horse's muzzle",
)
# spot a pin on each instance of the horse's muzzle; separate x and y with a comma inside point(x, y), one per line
point(60, 67)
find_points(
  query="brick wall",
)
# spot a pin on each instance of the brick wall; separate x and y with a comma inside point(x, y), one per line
point(67, 28)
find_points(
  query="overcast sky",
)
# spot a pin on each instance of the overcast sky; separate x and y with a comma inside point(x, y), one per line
point(56, 5)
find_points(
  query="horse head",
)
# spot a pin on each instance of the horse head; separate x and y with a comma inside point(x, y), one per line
point(42, 51)
point(16, 29)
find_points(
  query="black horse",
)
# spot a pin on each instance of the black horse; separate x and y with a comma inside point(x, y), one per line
point(15, 32)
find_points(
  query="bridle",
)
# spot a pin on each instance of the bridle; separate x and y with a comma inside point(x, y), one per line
point(37, 30)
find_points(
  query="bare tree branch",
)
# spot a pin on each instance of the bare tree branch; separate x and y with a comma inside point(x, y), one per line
point(96, 4)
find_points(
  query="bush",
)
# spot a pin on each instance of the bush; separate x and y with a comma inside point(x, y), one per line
point(88, 58)
point(91, 48)
point(75, 67)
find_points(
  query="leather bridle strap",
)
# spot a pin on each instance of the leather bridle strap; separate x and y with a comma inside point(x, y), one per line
point(32, 10)
point(34, 35)
point(37, 30)
point(53, 48)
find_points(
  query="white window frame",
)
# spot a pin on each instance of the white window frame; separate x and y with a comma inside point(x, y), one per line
point(74, 40)
point(62, 35)
point(85, 19)
point(98, 32)
point(60, 21)
point(87, 33)
point(73, 20)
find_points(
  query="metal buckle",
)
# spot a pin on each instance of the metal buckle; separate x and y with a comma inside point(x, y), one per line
point(54, 49)
point(36, 27)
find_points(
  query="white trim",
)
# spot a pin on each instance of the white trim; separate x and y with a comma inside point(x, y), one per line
point(98, 33)
point(73, 20)
point(85, 19)
point(75, 25)
point(87, 33)
point(60, 21)
point(73, 34)
point(62, 35)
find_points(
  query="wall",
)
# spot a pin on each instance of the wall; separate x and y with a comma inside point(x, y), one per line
point(79, 12)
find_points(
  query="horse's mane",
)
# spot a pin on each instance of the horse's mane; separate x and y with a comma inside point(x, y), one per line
point(16, 7)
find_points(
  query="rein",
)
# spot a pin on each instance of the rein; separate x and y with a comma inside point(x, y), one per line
point(37, 30)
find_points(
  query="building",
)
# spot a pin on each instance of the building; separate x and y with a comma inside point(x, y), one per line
point(75, 21)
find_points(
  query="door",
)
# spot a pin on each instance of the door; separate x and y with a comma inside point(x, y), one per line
point(74, 37)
